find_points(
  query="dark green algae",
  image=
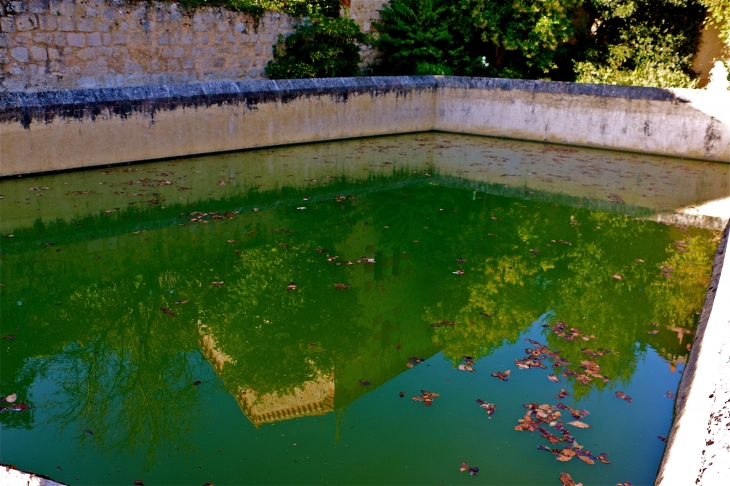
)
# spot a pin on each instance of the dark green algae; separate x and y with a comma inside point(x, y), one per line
point(103, 342)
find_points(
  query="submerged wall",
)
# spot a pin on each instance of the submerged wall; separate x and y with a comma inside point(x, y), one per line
point(58, 130)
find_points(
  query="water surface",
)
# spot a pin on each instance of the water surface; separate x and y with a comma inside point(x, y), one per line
point(157, 333)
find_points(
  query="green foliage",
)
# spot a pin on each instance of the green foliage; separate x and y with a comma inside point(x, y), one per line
point(635, 42)
point(321, 47)
point(521, 36)
point(414, 38)
point(719, 16)
point(256, 8)
point(641, 42)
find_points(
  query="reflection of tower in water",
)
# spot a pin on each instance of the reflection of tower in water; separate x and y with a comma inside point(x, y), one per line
point(313, 397)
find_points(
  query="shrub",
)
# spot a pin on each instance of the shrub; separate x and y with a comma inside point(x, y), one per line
point(320, 47)
point(641, 42)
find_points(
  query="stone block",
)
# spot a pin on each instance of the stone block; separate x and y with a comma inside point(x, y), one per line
point(85, 25)
point(20, 54)
point(48, 22)
point(92, 11)
point(66, 24)
point(39, 6)
point(87, 82)
point(231, 38)
point(102, 26)
point(108, 14)
point(4, 40)
point(67, 51)
point(94, 39)
point(173, 65)
point(199, 27)
point(131, 67)
point(106, 38)
point(7, 24)
point(76, 40)
point(178, 52)
point(189, 63)
point(186, 39)
point(43, 38)
point(119, 38)
point(85, 54)
point(59, 39)
point(26, 22)
point(239, 28)
point(222, 26)
point(175, 16)
point(218, 39)
point(38, 53)
point(163, 40)
point(139, 14)
point(18, 7)
point(53, 54)
point(166, 52)
point(219, 62)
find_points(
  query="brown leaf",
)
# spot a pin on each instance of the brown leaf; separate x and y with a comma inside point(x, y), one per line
point(579, 424)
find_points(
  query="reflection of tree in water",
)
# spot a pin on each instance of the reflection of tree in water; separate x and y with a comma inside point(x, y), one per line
point(576, 283)
point(128, 379)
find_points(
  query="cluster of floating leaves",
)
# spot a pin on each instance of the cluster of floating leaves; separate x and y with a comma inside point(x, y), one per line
point(443, 323)
point(562, 330)
point(473, 471)
point(426, 397)
point(412, 361)
point(489, 407)
point(199, 217)
point(13, 407)
point(467, 365)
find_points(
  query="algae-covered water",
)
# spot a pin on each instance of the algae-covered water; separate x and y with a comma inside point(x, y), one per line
point(268, 317)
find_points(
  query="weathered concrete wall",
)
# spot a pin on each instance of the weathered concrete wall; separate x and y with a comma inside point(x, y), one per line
point(675, 122)
point(60, 130)
point(698, 448)
point(71, 44)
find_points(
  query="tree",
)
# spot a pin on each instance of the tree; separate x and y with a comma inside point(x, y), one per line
point(522, 36)
point(321, 47)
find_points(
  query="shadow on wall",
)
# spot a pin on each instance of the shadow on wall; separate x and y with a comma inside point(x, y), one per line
point(711, 51)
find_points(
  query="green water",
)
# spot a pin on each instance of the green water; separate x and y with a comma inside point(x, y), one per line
point(250, 383)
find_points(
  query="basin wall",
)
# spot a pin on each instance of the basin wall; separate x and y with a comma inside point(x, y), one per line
point(60, 130)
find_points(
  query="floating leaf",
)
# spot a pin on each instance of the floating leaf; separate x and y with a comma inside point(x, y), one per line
point(623, 396)
point(196, 383)
point(11, 398)
point(502, 376)
point(402, 394)
point(342, 286)
point(217, 284)
point(579, 424)
point(489, 407)
point(138, 482)
point(553, 378)
point(364, 383)
point(617, 276)
point(9, 337)
point(562, 394)
point(661, 438)
point(567, 480)
point(484, 314)
point(88, 432)
point(458, 272)
point(291, 286)
point(181, 302)
point(654, 332)
point(460, 261)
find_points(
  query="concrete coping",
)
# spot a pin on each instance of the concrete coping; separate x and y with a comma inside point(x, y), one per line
point(17, 103)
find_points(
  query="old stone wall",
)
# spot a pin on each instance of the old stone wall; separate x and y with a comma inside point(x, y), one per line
point(68, 44)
